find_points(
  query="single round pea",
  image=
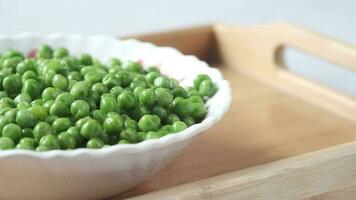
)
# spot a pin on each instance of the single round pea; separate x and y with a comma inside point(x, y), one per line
point(110, 80)
point(42, 148)
point(148, 97)
point(6, 143)
point(113, 123)
point(3, 122)
point(29, 75)
point(138, 83)
point(61, 124)
point(129, 135)
point(86, 59)
point(12, 131)
point(126, 100)
point(12, 84)
point(75, 132)
point(108, 104)
point(26, 143)
point(79, 109)
point(164, 96)
point(42, 129)
point(74, 75)
point(149, 123)
point(39, 112)
point(91, 129)
point(59, 109)
point(163, 82)
point(23, 97)
point(151, 76)
point(95, 143)
point(50, 141)
point(60, 82)
point(183, 107)
point(79, 90)
point(141, 136)
point(100, 88)
point(47, 105)
point(172, 118)
point(114, 62)
point(60, 53)
point(188, 121)
point(23, 105)
point(11, 114)
point(179, 92)
point(98, 115)
point(7, 100)
point(137, 91)
point(160, 112)
point(67, 141)
point(133, 66)
point(25, 118)
point(66, 98)
point(179, 126)
point(130, 123)
point(50, 93)
point(117, 90)
point(207, 88)
point(193, 92)
point(44, 51)
point(200, 78)
point(124, 78)
point(24, 66)
point(12, 53)
point(11, 63)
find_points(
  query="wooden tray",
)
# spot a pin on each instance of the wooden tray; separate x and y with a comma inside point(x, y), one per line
point(284, 137)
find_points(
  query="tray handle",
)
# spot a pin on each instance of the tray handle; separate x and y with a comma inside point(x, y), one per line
point(256, 51)
point(265, 41)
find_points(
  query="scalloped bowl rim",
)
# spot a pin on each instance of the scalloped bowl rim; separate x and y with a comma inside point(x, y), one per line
point(224, 93)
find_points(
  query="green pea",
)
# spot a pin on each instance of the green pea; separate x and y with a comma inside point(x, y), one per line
point(151, 76)
point(95, 143)
point(23, 105)
point(108, 104)
point(3, 122)
point(66, 98)
point(183, 107)
point(6, 143)
point(172, 118)
point(60, 53)
point(117, 90)
point(188, 121)
point(12, 54)
point(124, 78)
point(126, 100)
point(114, 62)
point(41, 129)
point(8, 101)
point(130, 123)
point(42, 148)
point(123, 142)
point(32, 88)
point(79, 109)
point(152, 135)
point(23, 97)
point(91, 129)
point(137, 91)
point(138, 83)
point(29, 75)
point(50, 141)
point(75, 132)
point(79, 90)
point(25, 118)
point(11, 63)
point(47, 105)
point(61, 124)
point(24, 66)
point(179, 92)
point(12, 84)
point(50, 93)
point(60, 82)
point(163, 82)
point(193, 92)
point(141, 136)
point(44, 51)
point(148, 97)
point(138, 111)
point(113, 123)
point(153, 69)
point(110, 80)
point(67, 141)
point(200, 78)
point(86, 59)
point(74, 75)
point(11, 114)
point(100, 88)
point(207, 88)
point(149, 123)
point(59, 109)
point(164, 96)
point(26, 144)
point(98, 115)
point(12, 131)
point(27, 133)
point(48, 76)
point(133, 67)
point(160, 112)
point(129, 135)
point(3, 94)
point(179, 126)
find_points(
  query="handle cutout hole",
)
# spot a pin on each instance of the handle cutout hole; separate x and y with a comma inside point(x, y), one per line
point(318, 70)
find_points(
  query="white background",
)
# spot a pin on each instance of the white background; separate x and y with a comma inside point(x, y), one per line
point(335, 18)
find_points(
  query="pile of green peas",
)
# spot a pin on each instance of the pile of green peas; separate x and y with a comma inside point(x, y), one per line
point(56, 101)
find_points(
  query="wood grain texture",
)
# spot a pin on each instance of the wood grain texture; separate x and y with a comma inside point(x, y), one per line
point(255, 51)
point(263, 125)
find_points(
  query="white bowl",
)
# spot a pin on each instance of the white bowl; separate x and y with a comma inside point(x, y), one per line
point(93, 174)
